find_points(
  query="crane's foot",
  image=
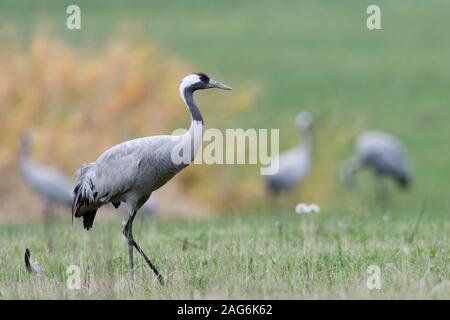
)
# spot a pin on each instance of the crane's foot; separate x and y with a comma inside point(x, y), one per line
point(150, 264)
point(128, 233)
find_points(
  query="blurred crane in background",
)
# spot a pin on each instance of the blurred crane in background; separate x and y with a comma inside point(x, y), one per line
point(53, 186)
point(149, 208)
point(294, 165)
point(384, 155)
point(48, 183)
point(129, 172)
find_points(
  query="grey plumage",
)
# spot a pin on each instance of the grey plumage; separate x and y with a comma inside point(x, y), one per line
point(126, 173)
point(149, 208)
point(383, 154)
point(50, 184)
point(129, 172)
point(295, 164)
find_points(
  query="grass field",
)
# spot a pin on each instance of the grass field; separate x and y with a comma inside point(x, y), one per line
point(252, 256)
point(301, 55)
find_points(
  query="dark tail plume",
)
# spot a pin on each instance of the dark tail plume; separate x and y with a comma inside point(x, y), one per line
point(83, 201)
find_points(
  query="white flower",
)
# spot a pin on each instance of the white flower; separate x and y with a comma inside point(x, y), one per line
point(303, 208)
point(405, 250)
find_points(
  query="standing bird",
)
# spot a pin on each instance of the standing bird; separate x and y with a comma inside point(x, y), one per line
point(50, 184)
point(384, 155)
point(294, 165)
point(129, 172)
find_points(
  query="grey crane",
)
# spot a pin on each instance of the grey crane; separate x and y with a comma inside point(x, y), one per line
point(294, 165)
point(129, 172)
point(50, 184)
point(384, 155)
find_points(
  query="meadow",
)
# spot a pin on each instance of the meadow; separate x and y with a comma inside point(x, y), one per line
point(309, 55)
point(259, 256)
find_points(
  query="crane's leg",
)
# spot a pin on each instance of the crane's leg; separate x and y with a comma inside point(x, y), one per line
point(130, 254)
point(48, 218)
point(383, 194)
point(276, 206)
point(273, 203)
point(128, 233)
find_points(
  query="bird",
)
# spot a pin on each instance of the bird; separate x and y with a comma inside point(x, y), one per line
point(54, 186)
point(130, 171)
point(384, 155)
point(47, 182)
point(294, 165)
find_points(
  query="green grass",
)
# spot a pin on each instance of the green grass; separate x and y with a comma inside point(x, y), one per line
point(312, 55)
point(251, 256)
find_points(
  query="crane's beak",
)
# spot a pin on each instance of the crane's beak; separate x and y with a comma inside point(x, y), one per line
point(218, 85)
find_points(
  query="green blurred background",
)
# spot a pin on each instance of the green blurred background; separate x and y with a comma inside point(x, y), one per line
point(313, 55)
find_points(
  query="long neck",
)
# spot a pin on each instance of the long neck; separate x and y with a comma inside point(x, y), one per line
point(187, 95)
point(24, 156)
point(307, 139)
point(348, 170)
point(24, 153)
point(194, 137)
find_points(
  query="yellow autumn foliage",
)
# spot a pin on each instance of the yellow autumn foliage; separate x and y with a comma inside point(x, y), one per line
point(79, 101)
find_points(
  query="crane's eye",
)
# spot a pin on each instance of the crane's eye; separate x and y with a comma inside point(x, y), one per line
point(203, 77)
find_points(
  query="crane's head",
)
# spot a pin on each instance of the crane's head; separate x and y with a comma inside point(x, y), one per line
point(198, 81)
point(304, 121)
